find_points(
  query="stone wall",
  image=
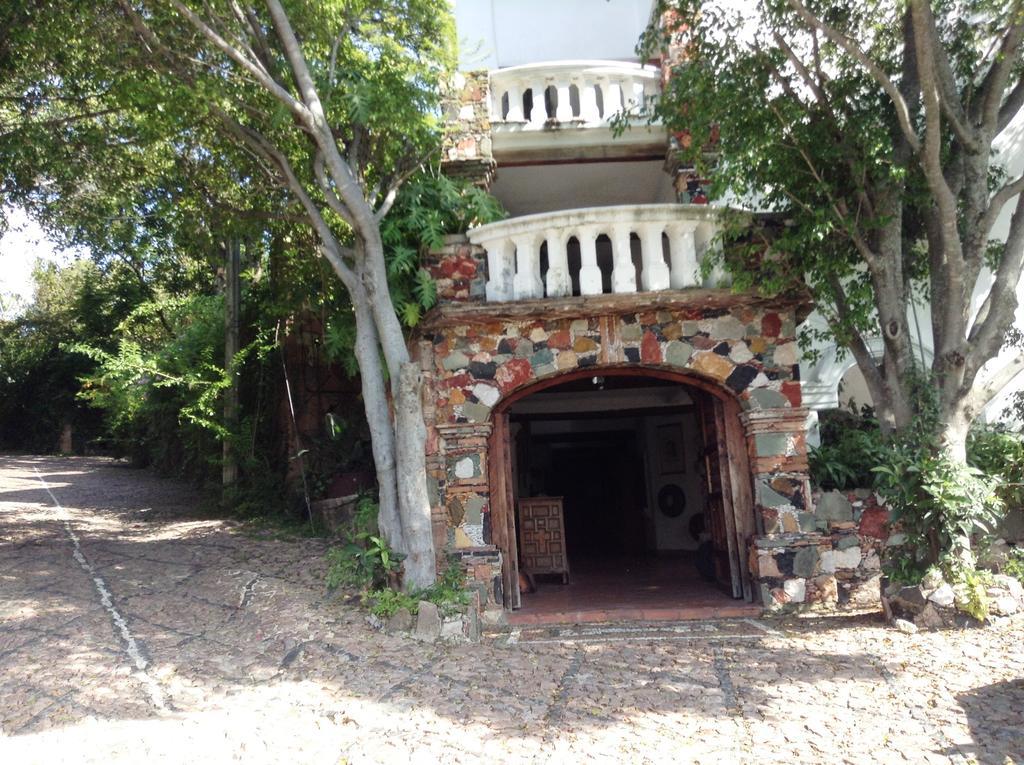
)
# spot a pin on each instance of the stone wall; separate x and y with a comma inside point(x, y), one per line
point(833, 562)
point(472, 368)
point(474, 355)
point(466, 147)
point(459, 270)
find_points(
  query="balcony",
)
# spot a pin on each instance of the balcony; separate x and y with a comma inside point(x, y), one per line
point(598, 250)
point(564, 110)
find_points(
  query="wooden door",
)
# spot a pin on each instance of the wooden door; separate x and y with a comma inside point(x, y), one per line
point(502, 509)
point(719, 517)
point(542, 536)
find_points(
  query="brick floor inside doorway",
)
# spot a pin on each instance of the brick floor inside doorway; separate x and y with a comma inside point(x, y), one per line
point(605, 589)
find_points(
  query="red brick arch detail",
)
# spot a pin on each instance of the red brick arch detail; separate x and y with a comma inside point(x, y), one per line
point(503, 530)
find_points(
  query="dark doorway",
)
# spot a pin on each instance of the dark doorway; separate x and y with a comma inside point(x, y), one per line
point(601, 483)
point(625, 458)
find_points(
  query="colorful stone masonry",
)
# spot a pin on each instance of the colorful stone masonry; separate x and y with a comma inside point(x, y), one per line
point(832, 562)
point(466, 150)
point(474, 355)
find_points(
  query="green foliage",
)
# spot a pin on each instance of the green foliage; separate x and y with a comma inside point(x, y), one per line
point(759, 141)
point(971, 586)
point(448, 593)
point(938, 503)
point(160, 391)
point(904, 569)
point(791, 109)
point(385, 602)
point(1015, 565)
point(999, 453)
point(38, 369)
point(851, 447)
point(364, 560)
point(429, 207)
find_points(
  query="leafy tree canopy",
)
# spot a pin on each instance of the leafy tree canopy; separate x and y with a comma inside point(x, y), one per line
point(869, 128)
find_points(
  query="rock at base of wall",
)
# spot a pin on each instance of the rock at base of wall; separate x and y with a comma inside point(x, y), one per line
point(428, 622)
point(933, 603)
point(400, 621)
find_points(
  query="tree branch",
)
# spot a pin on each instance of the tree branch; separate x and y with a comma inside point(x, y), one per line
point(995, 206)
point(392, 191)
point(997, 312)
point(297, 64)
point(858, 346)
point(995, 384)
point(993, 86)
point(819, 94)
point(945, 80)
point(333, 249)
point(931, 157)
point(1013, 103)
point(250, 66)
point(333, 201)
point(853, 50)
point(346, 185)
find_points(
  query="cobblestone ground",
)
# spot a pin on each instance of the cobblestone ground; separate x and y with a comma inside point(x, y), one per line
point(130, 631)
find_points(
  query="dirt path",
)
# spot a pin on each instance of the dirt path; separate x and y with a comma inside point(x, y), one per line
point(130, 631)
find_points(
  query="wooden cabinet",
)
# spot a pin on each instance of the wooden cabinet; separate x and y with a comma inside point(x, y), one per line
point(542, 536)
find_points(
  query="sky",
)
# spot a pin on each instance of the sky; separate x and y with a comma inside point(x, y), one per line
point(23, 244)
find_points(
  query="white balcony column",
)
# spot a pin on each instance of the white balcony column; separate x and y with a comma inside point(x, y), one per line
point(683, 255)
point(628, 93)
point(515, 103)
point(614, 100)
point(540, 111)
point(563, 111)
point(588, 101)
point(642, 92)
point(623, 270)
point(500, 269)
point(718, 277)
point(655, 275)
point(559, 284)
point(590, 273)
point(527, 282)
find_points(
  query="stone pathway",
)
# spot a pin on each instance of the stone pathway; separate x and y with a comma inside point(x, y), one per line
point(171, 638)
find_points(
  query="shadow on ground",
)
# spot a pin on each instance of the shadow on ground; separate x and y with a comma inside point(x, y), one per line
point(228, 622)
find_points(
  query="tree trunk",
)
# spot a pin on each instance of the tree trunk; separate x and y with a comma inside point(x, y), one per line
point(378, 417)
point(411, 432)
point(956, 424)
point(232, 309)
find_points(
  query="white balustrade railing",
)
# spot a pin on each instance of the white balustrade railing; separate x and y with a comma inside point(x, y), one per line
point(616, 249)
point(589, 93)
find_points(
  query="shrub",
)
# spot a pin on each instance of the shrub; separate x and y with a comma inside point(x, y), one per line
point(999, 452)
point(939, 504)
point(1015, 565)
point(386, 602)
point(365, 561)
point(448, 593)
point(851, 447)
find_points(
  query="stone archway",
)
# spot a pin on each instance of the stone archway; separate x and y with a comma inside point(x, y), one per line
point(734, 505)
point(475, 356)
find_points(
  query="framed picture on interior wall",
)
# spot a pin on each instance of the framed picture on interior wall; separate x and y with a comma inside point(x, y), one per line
point(671, 458)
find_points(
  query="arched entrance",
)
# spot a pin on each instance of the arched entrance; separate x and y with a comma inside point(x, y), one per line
point(647, 472)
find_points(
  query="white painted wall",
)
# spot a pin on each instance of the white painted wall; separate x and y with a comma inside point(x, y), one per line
point(494, 34)
point(674, 533)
